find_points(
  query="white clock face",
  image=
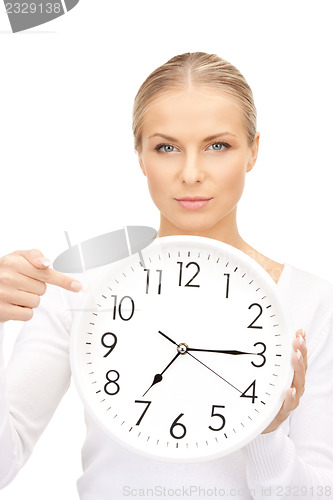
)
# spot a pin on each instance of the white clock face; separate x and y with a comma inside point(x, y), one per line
point(186, 355)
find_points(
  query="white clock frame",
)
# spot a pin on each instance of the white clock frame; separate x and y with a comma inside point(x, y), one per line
point(95, 369)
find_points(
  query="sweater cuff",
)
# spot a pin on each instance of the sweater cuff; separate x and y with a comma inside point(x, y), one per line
point(269, 455)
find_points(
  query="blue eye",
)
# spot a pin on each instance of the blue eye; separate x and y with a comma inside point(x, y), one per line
point(169, 148)
point(221, 145)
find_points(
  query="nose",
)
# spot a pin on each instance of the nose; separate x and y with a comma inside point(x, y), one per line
point(191, 170)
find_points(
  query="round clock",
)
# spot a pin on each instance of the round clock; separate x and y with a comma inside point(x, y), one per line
point(185, 355)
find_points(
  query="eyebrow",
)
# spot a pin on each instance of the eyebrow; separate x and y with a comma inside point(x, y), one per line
point(211, 137)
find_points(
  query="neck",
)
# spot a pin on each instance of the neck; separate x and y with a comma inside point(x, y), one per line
point(225, 230)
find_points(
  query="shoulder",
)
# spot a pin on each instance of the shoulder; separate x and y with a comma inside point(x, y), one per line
point(309, 300)
point(308, 284)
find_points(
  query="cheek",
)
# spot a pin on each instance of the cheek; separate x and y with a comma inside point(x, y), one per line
point(230, 178)
point(158, 180)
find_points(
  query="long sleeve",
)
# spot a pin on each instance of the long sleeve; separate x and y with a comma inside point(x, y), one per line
point(5, 430)
point(36, 378)
point(301, 463)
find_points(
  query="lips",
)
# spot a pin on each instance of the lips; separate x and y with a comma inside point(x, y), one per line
point(193, 202)
point(193, 198)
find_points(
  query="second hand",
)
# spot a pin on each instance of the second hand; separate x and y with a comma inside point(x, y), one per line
point(214, 372)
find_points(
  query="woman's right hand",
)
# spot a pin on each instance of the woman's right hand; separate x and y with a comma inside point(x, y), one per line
point(23, 278)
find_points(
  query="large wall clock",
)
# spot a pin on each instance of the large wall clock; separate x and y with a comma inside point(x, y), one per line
point(186, 354)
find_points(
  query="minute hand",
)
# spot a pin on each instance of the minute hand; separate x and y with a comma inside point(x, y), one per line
point(221, 351)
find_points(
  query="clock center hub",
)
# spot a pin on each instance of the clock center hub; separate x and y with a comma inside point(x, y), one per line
point(182, 348)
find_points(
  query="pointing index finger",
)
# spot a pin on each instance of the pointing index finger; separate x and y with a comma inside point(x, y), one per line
point(55, 278)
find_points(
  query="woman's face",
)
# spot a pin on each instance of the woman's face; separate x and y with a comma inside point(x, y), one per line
point(194, 145)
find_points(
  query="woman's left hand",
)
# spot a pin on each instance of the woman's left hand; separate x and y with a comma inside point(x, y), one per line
point(294, 394)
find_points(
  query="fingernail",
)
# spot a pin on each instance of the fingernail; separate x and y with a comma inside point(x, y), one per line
point(303, 333)
point(301, 340)
point(76, 286)
point(299, 355)
point(293, 393)
point(42, 260)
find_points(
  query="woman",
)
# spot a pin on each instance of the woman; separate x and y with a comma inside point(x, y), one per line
point(194, 125)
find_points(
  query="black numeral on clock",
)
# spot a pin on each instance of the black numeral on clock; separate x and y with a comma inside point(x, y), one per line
point(123, 307)
point(251, 325)
point(144, 411)
point(159, 281)
point(252, 395)
point(111, 387)
point(227, 287)
point(260, 354)
point(216, 414)
point(175, 424)
point(181, 273)
point(109, 340)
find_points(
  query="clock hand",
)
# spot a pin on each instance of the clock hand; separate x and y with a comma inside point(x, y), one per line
point(158, 377)
point(183, 349)
point(221, 351)
point(208, 350)
point(159, 331)
point(214, 372)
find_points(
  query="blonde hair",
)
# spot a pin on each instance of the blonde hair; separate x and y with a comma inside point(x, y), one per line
point(194, 69)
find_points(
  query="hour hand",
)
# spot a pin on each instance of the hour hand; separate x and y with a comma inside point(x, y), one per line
point(159, 376)
point(225, 351)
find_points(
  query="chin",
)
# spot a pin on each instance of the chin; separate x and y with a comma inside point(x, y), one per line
point(196, 226)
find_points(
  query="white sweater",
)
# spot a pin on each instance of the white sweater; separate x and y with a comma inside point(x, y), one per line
point(294, 460)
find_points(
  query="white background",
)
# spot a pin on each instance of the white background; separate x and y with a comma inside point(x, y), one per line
point(67, 157)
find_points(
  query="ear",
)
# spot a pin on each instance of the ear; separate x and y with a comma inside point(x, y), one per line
point(142, 165)
point(253, 153)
